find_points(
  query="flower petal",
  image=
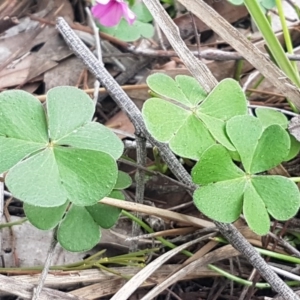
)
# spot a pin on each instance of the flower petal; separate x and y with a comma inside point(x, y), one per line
point(127, 13)
point(110, 12)
point(108, 15)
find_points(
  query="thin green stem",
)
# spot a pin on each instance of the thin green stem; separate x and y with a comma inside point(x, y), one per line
point(150, 230)
point(259, 285)
point(256, 85)
point(295, 179)
point(130, 259)
point(271, 40)
point(269, 253)
point(297, 9)
point(238, 70)
point(13, 223)
point(113, 272)
point(286, 34)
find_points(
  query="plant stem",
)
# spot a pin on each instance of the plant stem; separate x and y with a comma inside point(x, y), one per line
point(287, 258)
point(295, 179)
point(286, 34)
point(150, 230)
point(238, 70)
point(256, 85)
point(10, 224)
point(92, 261)
point(271, 40)
point(259, 285)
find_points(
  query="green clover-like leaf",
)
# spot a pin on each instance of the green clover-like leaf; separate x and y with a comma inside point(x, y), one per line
point(123, 181)
point(141, 11)
point(60, 102)
point(255, 211)
point(57, 155)
point(78, 231)
point(23, 127)
point(36, 180)
point(236, 2)
point(217, 165)
point(272, 148)
point(130, 33)
point(268, 116)
point(187, 118)
point(294, 150)
point(100, 172)
point(221, 201)
point(105, 215)
point(268, 4)
point(260, 149)
point(140, 28)
point(227, 190)
point(44, 218)
point(88, 137)
point(280, 195)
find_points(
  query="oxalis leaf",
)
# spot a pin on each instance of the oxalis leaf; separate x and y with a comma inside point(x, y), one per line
point(140, 28)
point(80, 231)
point(227, 191)
point(78, 227)
point(295, 132)
point(105, 216)
point(123, 181)
point(45, 218)
point(269, 117)
point(23, 127)
point(70, 159)
point(184, 116)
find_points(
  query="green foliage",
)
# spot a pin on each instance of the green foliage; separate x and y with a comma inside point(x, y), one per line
point(130, 33)
point(215, 129)
point(264, 4)
point(184, 116)
point(294, 150)
point(123, 181)
point(105, 216)
point(236, 2)
point(227, 190)
point(268, 117)
point(45, 218)
point(268, 4)
point(59, 155)
point(60, 163)
point(78, 231)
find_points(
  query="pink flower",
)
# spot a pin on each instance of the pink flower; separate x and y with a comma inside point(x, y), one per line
point(110, 12)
